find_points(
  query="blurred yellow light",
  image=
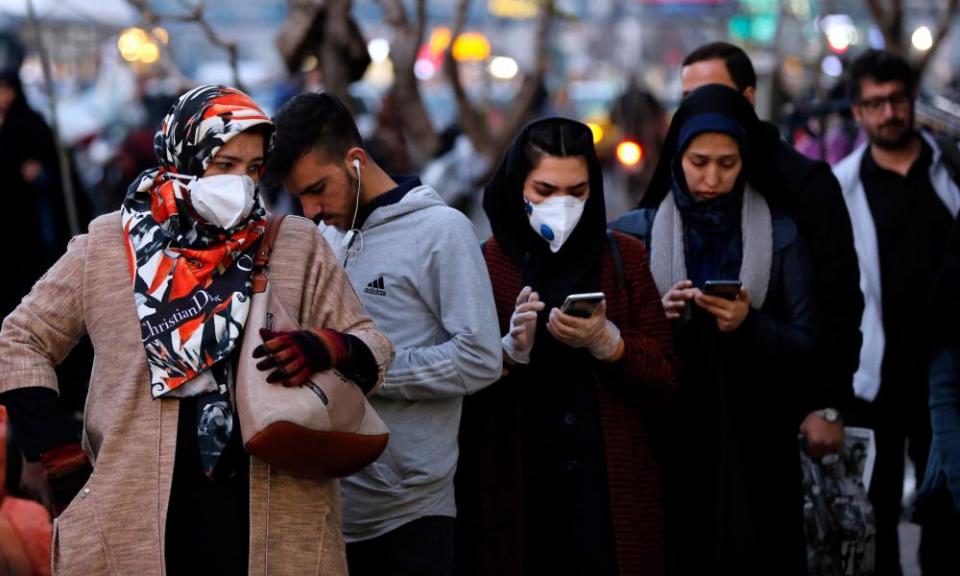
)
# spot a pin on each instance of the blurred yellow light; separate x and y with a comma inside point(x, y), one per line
point(149, 53)
point(629, 153)
point(517, 9)
point(471, 46)
point(161, 34)
point(129, 43)
point(439, 40)
point(597, 131)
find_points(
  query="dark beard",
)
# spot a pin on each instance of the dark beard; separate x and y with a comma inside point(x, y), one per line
point(894, 144)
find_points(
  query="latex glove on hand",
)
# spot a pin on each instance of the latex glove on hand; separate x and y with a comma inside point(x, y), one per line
point(295, 355)
point(598, 335)
point(523, 326)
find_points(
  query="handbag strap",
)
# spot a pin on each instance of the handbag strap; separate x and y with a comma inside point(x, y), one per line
point(261, 262)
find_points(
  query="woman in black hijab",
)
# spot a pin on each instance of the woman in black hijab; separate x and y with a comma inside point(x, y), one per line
point(36, 231)
point(732, 467)
point(556, 473)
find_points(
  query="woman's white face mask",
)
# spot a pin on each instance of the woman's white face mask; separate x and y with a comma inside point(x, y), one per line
point(555, 218)
point(224, 200)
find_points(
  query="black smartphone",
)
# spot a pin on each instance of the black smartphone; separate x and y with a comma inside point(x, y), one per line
point(582, 305)
point(729, 289)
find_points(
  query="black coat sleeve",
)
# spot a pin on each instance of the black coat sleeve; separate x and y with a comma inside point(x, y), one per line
point(780, 338)
point(825, 227)
point(38, 421)
point(783, 333)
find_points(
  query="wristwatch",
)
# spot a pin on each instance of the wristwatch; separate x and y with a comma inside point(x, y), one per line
point(831, 415)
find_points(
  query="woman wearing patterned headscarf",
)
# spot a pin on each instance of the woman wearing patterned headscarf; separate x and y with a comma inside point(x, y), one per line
point(171, 484)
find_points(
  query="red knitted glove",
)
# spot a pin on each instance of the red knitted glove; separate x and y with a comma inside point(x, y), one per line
point(295, 355)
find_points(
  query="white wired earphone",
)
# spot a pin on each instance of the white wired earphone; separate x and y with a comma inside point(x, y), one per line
point(353, 231)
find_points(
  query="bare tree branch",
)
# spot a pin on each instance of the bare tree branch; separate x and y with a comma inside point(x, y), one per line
point(421, 20)
point(197, 16)
point(943, 29)
point(394, 14)
point(336, 76)
point(881, 18)
point(533, 83)
point(878, 12)
point(403, 52)
point(895, 27)
point(471, 120)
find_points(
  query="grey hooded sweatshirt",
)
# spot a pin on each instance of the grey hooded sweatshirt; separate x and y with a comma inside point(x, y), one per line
point(421, 277)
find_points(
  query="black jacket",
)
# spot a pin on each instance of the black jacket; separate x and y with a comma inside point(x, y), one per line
point(812, 196)
point(731, 461)
point(807, 191)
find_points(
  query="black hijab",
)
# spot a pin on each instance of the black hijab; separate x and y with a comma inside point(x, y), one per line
point(713, 242)
point(759, 164)
point(576, 266)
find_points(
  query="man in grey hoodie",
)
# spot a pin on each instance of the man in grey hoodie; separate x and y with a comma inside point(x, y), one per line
point(419, 272)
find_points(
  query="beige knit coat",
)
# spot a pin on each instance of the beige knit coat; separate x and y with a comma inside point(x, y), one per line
point(116, 524)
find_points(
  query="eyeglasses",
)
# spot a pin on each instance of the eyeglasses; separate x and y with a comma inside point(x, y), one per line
point(897, 101)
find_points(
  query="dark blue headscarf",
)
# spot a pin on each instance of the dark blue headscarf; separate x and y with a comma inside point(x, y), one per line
point(712, 233)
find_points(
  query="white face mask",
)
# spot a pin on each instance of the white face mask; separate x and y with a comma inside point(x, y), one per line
point(555, 218)
point(224, 200)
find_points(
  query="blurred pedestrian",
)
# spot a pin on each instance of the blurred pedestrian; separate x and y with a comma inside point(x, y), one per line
point(416, 264)
point(168, 494)
point(938, 498)
point(37, 232)
point(902, 202)
point(732, 467)
point(557, 474)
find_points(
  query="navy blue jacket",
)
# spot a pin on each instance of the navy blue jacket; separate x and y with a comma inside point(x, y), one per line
point(732, 471)
point(943, 465)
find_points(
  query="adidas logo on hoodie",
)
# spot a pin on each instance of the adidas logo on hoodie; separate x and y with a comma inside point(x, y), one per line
point(376, 288)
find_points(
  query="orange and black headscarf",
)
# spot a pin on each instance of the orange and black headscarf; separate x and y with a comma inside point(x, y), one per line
point(191, 279)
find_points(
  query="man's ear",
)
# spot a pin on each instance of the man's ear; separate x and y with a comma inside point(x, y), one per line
point(355, 153)
point(750, 93)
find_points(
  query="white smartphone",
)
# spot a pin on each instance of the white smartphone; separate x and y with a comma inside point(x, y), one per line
point(582, 305)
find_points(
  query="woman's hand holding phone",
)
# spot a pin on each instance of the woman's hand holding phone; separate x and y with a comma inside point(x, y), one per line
point(598, 335)
point(675, 300)
point(518, 342)
point(730, 314)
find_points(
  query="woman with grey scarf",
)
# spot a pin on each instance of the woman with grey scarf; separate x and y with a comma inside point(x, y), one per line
point(733, 492)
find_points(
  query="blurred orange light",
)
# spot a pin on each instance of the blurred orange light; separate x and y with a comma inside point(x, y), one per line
point(439, 40)
point(629, 153)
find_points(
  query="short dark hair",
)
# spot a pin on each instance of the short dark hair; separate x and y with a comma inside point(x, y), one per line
point(734, 58)
point(880, 66)
point(310, 122)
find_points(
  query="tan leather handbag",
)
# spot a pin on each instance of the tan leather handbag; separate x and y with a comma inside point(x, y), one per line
point(323, 429)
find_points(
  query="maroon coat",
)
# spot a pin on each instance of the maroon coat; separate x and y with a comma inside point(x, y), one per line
point(489, 481)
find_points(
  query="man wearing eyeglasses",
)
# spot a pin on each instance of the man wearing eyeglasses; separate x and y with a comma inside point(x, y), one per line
point(902, 202)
